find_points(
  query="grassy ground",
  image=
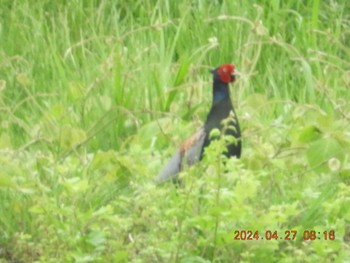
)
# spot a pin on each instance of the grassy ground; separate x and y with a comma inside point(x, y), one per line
point(95, 96)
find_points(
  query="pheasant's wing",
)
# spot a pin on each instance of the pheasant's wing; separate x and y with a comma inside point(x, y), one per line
point(190, 151)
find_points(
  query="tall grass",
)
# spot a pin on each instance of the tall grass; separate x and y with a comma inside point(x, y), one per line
point(93, 57)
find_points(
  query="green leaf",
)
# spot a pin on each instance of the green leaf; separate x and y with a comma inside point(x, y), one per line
point(179, 79)
point(308, 134)
point(214, 133)
point(320, 151)
point(181, 73)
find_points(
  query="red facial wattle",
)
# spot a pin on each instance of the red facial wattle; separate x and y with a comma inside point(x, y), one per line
point(226, 73)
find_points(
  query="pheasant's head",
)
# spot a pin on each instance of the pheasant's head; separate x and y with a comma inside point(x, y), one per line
point(225, 73)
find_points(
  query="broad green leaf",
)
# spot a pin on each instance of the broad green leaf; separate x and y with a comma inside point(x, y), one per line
point(320, 151)
point(308, 134)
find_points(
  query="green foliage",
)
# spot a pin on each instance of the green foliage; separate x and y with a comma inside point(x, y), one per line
point(95, 96)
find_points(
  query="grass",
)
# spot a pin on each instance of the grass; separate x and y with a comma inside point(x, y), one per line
point(95, 96)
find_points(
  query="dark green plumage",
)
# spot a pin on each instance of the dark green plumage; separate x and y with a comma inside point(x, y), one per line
point(192, 149)
point(220, 110)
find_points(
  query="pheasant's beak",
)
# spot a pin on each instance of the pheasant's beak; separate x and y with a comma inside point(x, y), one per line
point(236, 73)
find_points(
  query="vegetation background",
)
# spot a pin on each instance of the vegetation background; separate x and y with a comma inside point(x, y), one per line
point(95, 96)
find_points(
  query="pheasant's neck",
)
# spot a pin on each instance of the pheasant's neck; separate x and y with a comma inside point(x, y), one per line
point(221, 92)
